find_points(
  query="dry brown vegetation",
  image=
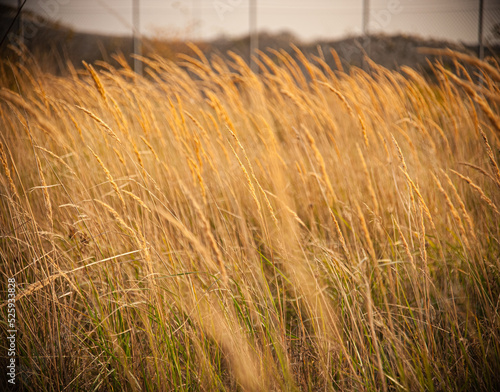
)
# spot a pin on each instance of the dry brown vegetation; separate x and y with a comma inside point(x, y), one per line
point(207, 228)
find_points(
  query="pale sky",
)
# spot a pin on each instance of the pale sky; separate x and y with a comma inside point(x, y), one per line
point(455, 20)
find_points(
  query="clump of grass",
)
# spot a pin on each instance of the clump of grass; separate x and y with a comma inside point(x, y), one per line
point(252, 232)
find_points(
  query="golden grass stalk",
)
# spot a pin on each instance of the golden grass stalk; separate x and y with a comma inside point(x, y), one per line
point(139, 157)
point(336, 58)
point(405, 245)
point(106, 127)
point(11, 96)
point(295, 99)
point(495, 120)
point(119, 117)
point(249, 180)
point(491, 70)
point(208, 234)
point(479, 169)
point(292, 66)
point(404, 168)
point(119, 219)
point(363, 130)
point(478, 190)
point(97, 81)
point(420, 197)
point(139, 238)
point(466, 215)
point(75, 123)
point(374, 338)
point(475, 118)
point(491, 157)
point(197, 123)
point(321, 162)
point(340, 235)
point(148, 144)
point(120, 157)
point(199, 53)
point(28, 108)
point(6, 169)
point(46, 198)
point(454, 213)
point(189, 235)
point(137, 199)
point(57, 158)
point(109, 177)
point(196, 172)
point(268, 203)
point(368, 238)
point(292, 212)
point(341, 97)
point(371, 190)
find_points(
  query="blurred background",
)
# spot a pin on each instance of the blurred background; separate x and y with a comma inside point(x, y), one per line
point(389, 31)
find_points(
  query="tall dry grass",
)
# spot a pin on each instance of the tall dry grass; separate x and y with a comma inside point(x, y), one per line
point(207, 228)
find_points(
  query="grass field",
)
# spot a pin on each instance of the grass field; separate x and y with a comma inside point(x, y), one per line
point(204, 228)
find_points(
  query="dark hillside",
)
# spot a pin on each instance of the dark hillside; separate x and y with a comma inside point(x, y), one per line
point(53, 44)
